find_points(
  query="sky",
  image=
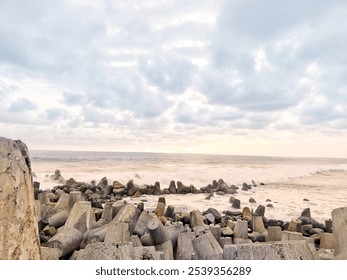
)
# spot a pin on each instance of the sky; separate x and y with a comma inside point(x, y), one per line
point(240, 77)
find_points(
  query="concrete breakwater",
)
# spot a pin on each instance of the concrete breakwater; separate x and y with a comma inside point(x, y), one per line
point(93, 221)
point(76, 220)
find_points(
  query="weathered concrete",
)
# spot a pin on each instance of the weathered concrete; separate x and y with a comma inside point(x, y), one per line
point(274, 233)
point(117, 232)
point(66, 240)
point(19, 236)
point(146, 253)
point(326, 241)
point(339, 217)
point(206, 247)
point(167, 250)
point(283, 250)
point(241, 229)
point(103, 251)
point(185, 246)
point(80, 217)
point(157, 231)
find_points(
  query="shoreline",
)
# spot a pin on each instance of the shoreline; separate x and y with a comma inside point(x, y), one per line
point(321, 192)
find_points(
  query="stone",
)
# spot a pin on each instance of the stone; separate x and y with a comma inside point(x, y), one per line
point(306, 213)
point(241, 229)
point(117, 232)
point(66, 240)
point(236, 203)
point(295, 225)
point(104, 251)
point(289, 235)
point(339, 218)
point(172, 187)
point(246, 214)
point(274, 233)
point(19, 234)
point(131, 188)
point(157, 231)
point(206, 247)
point(167, 250)
point(260, 211)
point(282, 250)
point(258, 224)
point(252, 200)
point(80, 217)
point(185, 248)
point(52, 254)
point(146, 253)
point(196, 219)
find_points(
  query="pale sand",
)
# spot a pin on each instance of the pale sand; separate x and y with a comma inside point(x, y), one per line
point(325, 191)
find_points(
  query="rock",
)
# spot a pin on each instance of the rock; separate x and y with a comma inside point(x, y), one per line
point(208, 189)
point(289, 250)
point(57, 177)
point(206, 247)
point(245, 187)
point(182, 189)
point(185, 248)
point(131, 188)
point(339, 218)
point(306, 213)
point(18, 225)
point(269, 205)
point(215, 213)
point(172, 187)
point(103, 183)
point(252, 200)
point(260, 211)
point(236, 203)
point(105, 251)
point(208, 197)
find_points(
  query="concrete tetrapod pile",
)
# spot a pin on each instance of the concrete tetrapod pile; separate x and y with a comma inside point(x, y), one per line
point(77, 221)
point(127, 231)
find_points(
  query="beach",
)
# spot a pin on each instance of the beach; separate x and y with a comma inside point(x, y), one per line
point(289, 184)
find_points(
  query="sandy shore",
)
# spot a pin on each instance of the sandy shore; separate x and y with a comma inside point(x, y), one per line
point(321, 192)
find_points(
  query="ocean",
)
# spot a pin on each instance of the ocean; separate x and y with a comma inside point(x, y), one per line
point(196, 169)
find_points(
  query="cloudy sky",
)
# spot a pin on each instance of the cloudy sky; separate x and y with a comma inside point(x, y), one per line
point(242, 77)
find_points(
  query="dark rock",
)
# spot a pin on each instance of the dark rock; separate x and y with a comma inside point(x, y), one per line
point(252, 200)
point(108, 190)
point(306, 213)
point(215, 213)
point(245, 187)
point(131, 188)
point(260, 211)
point(269, 205)
point(172, 187)
point(215, 184)
point(182, 189)
point(208, 197)
point(103, 183)
point(236, 203)
point(207, 189)
point(156, 189)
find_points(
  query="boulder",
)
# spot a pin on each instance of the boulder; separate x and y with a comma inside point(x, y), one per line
point(19, 235)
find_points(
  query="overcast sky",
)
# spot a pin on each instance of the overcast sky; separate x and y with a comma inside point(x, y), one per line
point(244, 77)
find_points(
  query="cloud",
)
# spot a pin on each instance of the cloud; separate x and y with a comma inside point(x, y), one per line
point(175, 69)
point(168, 71)
point(54, 114)
point(22, 104)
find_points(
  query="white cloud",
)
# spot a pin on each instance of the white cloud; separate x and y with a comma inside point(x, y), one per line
point(181, 70)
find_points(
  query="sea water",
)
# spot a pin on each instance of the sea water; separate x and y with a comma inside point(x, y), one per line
point(197, 169)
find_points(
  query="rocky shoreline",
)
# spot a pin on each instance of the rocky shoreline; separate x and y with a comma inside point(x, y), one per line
point(93, 221)
point(79, 221)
